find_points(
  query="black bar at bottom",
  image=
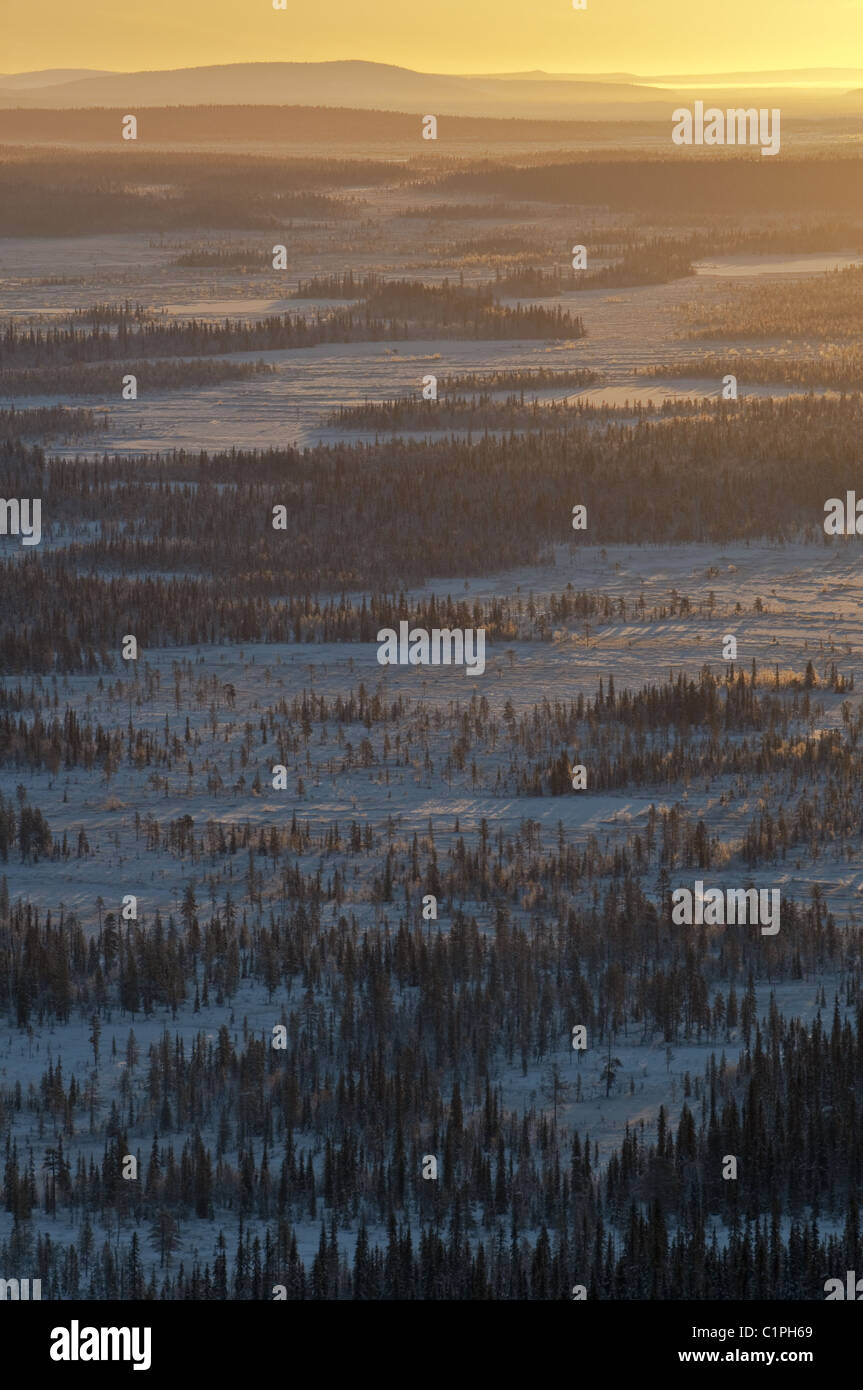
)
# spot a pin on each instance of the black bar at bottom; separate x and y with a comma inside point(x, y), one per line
point(58, 1340)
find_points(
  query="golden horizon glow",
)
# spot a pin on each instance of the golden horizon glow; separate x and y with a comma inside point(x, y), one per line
point(640, 37)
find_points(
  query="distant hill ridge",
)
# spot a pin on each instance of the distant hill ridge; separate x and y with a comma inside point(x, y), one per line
point(383, 86)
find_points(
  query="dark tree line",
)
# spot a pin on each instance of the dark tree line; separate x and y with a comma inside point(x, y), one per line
point(730, 184)
point(391, 309)
point(391, 1038)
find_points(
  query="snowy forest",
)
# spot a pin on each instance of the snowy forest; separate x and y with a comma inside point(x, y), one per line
point(327, 979)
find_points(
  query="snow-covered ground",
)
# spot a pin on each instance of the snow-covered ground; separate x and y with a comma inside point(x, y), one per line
point(785, 605)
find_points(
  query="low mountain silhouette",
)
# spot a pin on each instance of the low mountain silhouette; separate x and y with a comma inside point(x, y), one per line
point(383, 86)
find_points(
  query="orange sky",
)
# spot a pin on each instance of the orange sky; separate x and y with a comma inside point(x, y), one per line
point(641, 36)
